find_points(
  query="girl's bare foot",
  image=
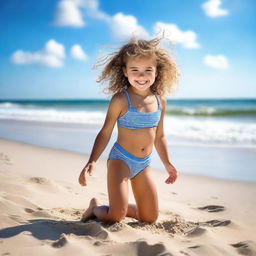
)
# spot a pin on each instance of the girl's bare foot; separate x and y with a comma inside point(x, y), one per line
point(88, 214)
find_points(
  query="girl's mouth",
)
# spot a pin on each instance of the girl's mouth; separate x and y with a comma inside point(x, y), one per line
point(141, 82)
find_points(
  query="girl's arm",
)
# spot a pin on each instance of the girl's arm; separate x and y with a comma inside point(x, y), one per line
point(162, 147)
point(103, 136)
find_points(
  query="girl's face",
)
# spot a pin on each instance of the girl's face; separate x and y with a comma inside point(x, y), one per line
point(140, 71)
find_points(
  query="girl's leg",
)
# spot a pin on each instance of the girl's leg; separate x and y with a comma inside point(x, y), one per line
point(117, 179)
point(145, 194)
point(103, 209)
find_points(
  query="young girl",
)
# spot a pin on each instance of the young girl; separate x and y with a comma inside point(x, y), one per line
point(139, 75)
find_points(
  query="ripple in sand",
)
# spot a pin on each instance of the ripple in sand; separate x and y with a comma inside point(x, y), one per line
point(185, 253)
point(194, 247)
point(215, 223)
point(212, 208)
point(28, 210)
point(6, 254)
point(196, 231)
point(143, 248)
point(98, 243)
point(245, 248)
point(15, 217)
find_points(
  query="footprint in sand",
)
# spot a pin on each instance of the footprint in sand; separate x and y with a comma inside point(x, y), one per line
point(215, 223)
point(212, 208)
point(245, 248)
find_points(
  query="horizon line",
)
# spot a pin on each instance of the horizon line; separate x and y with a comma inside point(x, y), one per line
point(105, 99)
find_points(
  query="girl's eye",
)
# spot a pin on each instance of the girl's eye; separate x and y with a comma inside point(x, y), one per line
point(135, 70)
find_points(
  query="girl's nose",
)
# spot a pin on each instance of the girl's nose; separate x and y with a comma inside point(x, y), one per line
point(141, 74)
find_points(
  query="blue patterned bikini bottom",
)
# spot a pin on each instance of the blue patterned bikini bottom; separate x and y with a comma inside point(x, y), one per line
point(135, 164)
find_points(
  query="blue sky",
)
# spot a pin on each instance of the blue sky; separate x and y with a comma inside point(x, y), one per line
point(48, 48)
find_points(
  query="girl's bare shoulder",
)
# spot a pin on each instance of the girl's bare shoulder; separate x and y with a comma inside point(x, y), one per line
point(119, 99)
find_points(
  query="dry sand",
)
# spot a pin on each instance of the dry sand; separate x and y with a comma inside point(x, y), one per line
point(42, 202)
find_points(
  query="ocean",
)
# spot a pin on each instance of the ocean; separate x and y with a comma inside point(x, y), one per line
point(192, 126)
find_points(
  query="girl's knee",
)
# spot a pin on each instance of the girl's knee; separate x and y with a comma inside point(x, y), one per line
point(149, 218)
point(116, 218)
point(117, 215)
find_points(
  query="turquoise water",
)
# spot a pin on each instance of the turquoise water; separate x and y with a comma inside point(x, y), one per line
point(226, 121)
point(182, 107)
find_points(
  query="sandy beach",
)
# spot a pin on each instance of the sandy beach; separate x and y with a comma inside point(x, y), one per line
point(42, 202)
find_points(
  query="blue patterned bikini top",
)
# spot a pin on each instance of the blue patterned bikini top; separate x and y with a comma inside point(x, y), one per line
point(134, 119)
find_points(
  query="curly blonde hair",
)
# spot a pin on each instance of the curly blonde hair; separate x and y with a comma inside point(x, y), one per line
point(167, 69)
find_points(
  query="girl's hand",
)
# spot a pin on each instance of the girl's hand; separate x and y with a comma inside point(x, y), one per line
point(172, 173)
point(88, 168)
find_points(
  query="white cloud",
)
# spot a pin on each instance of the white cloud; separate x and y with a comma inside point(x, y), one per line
point(212, 8)
point(51, 56)
point(71, 13)
point(124, 26)
point(216, 61)
point(171, 31)
point(78, 53)
point(54, 48)
point(92, 7)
